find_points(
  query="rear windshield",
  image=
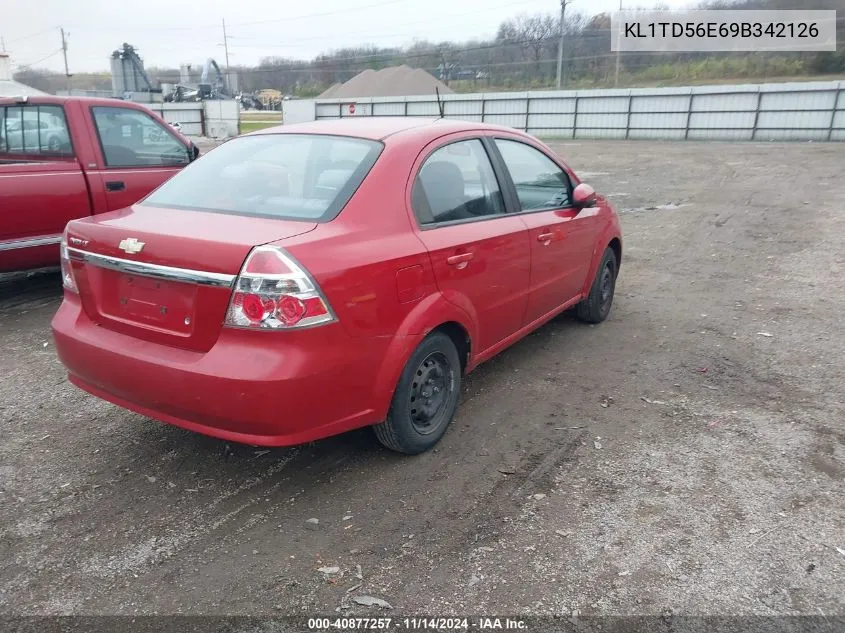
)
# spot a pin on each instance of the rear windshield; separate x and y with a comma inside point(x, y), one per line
point(286, 176)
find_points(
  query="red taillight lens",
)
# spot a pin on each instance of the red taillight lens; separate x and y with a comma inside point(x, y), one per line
point(274, 292)
point(253, 307)
point(68, 280)
point(290, 310)
point(315, 307)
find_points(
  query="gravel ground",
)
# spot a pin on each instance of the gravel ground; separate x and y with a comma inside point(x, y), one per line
point(688, 455)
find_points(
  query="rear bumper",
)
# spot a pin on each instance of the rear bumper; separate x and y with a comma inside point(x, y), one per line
point(262, 388)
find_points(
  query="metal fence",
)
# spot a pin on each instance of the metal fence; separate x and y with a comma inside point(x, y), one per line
point(800, 111)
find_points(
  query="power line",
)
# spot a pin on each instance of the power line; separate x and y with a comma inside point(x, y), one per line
point(318, 62)
point(43, 59)
point(398, 51)
point(526, 62)
point(31, 35)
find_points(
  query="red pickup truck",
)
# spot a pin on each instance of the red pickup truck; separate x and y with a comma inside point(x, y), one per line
point(63, 158)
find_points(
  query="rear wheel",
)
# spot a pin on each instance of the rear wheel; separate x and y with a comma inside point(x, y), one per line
point(425, 399)
point(596, 307)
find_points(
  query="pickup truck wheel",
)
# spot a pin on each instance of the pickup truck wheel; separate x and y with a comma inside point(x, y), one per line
point(54, 144)
point(596, 307)
point(425, 399)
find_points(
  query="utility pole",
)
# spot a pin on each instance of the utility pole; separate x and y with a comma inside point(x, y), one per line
point(563, 5)
point(226, 48)
point(618, 52)
point(64, 52)
point(2, 45)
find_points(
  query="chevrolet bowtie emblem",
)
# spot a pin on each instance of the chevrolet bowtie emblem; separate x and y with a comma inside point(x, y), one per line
point(131, 245)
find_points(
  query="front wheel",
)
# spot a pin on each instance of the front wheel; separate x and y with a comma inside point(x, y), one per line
point(596, 307)
point(425, 399)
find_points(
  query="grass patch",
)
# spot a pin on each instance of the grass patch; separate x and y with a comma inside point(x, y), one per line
point(252, 126)
point(261, 115)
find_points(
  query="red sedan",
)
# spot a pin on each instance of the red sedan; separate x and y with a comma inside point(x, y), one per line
point(307, 280)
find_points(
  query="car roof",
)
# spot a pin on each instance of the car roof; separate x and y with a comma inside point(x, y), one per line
point(380, 128)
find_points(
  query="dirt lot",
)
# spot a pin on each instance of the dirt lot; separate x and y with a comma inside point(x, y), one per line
point(688, 455)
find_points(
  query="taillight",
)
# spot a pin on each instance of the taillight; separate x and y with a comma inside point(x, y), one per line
point(273, 292)
point(67, 272)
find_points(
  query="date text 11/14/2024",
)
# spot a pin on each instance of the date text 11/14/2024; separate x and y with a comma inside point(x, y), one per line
point(416, 624)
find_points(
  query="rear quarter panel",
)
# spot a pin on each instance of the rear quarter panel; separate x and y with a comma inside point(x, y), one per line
point(361, 262)
point(38, 199)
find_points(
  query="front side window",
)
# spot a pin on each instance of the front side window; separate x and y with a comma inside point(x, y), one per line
point(457, 182)
point(131, 138)
point(539, 182)
point(34, 130)
point(285, 176)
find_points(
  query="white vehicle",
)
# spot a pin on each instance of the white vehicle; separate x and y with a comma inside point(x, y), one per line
point(157, 135)
point(31, 133)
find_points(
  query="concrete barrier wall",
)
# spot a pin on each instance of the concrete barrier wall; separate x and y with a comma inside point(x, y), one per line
point(215, 119)
point(189, 115)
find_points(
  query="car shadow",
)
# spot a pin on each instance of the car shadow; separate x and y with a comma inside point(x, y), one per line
point(29, 289)
point(245, 460)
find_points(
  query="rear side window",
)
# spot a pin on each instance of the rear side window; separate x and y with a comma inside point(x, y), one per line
point(457, 183)
point(286, 176)
point(131, 138)
point(34, 130)
point(539, 182)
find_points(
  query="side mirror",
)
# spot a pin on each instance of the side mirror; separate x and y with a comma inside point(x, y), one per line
point(194, 151)
point(584, 196)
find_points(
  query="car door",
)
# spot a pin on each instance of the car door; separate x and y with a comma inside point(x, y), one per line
point(139, 153)
point(479, 252)
point(561, 236)
point(41, 189)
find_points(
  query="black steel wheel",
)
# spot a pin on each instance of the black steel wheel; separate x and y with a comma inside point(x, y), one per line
point(596, 307)
point(425, 398)
point(429, 393)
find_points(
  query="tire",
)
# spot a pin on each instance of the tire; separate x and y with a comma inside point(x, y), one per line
point(432, 375)
point(54, 144)
point(596, 307)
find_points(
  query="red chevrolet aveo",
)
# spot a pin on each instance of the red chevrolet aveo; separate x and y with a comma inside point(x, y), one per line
point(311, 279)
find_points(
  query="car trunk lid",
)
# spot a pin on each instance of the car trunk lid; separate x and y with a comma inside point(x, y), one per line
point(165, 275)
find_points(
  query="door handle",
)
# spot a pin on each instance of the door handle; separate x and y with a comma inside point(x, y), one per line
point(545, 237)
point(115, 185)
point(461, 260)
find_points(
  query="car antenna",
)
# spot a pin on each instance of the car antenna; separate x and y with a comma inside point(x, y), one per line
point(439, 101)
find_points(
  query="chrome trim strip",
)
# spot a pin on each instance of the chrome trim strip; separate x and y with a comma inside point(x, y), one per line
point(156, 271)
point(43, 173)
point(30, 242)
point(136, 171)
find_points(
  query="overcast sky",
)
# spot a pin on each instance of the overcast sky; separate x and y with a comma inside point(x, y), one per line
point(168, 32)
